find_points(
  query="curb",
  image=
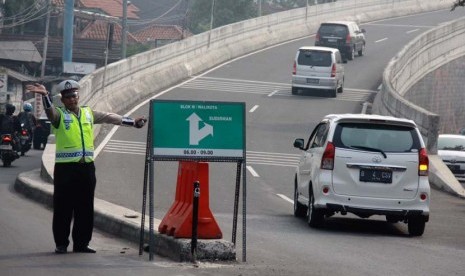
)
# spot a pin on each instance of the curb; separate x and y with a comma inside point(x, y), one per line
point(125, 223)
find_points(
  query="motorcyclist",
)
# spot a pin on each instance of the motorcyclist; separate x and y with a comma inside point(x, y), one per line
point(28, 120)
point(9, 124)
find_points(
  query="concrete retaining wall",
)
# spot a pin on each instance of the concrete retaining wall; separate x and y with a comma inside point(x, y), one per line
point(423, 55)
point(404, 94)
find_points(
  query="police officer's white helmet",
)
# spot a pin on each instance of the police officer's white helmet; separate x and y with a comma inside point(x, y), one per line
point(68, 85)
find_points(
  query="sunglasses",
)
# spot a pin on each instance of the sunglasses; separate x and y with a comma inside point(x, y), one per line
point(71, 96)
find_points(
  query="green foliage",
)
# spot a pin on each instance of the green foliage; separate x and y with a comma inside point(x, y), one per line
point(19, 14)
point(133, 49)
point(16, 7)
point(291, 4)
point(225, 12)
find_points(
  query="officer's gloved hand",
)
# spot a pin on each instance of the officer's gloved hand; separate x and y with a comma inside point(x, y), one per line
point(139, 122)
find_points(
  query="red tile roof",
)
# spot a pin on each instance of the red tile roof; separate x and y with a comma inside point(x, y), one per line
point(97, 30)
point(154, 32)
point(59, 3)
point(110, 7)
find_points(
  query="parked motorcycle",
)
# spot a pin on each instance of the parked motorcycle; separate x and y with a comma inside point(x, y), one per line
point(7, 152)
point(25, 140)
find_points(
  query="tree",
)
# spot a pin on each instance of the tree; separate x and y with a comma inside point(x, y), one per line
point(18, 13)
point(291, 4)
point(225, 12)
point(458, 3)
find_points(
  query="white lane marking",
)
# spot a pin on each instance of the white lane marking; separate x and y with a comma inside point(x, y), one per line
point(253, 108)
point(285, 198)
point(246, 81)
point(411, 31)
point(381, 40)
point(128, 142)
point(398, 25)
point(252, 171)
point(272, 93)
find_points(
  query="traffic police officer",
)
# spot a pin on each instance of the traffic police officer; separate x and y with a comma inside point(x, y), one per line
point(74, 173)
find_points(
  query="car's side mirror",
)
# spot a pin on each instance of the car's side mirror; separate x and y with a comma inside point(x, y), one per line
point(299, 143)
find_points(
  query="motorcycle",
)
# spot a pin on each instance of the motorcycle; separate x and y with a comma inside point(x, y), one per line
point(7, 152)
point(25, 140)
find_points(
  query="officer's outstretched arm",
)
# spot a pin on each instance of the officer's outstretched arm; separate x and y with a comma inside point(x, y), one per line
point(52, 114)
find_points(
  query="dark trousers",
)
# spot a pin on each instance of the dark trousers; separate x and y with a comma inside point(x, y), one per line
point(73, 197)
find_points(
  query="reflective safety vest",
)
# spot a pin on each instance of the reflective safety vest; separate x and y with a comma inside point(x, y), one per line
point(75, 136)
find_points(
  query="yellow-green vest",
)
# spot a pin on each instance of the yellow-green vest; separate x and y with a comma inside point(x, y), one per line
point(75, 136)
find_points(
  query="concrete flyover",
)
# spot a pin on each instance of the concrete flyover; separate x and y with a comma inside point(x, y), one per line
point(400, 95)
point(125, 83)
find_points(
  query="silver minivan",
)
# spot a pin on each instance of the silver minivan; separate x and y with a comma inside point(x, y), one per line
point(318, 68)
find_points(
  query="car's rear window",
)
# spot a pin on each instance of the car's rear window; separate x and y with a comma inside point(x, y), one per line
point(333, 29)
point(314, 58)
point(451, 143)
point(388, 138)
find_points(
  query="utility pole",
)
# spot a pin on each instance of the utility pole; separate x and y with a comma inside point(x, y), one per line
point(306, 11)
point(38, 98)
point(211, 22)
point(68, 31)
point(124, 31)
point(44, 50)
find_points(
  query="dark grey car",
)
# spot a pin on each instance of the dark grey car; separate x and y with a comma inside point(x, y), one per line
point(343, 35)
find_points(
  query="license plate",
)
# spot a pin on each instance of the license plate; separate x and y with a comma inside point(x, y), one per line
point(372, 175)
point(24, 137)
point(313, 81)
point(5, 147)
point(454, 167)
point(332, 39)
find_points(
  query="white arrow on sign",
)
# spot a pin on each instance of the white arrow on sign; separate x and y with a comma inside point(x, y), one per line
point(195, 133)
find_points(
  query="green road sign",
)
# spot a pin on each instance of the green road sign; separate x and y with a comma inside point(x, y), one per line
point(198, 129)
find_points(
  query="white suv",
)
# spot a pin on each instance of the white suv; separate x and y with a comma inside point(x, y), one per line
point(366, 165)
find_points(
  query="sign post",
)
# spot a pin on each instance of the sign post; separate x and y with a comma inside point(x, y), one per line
point(197, 131)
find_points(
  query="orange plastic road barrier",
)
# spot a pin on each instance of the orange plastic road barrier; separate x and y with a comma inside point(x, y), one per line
point(178, 220)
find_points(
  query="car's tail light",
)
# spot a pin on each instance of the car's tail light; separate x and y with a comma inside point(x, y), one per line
point(327, 162)
point(23, 132)
point(423, 196)
point(325, 190)
point(6, 139)
point(317, 37)
point(423, 163)
point(333, 70)
point(348, 38)
point(294, 68)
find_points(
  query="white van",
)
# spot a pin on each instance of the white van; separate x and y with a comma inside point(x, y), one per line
point(318, 68)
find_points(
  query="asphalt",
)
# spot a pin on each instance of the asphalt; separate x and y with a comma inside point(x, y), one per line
point(122, 222)
point(126, 224)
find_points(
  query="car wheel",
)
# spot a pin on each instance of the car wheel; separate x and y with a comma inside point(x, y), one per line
point(416, 226)
point(36, 145)
point(333, 93)
point(299, 209)
point(391, 219)
point(315, 217)
point(294, 90)
point(362, 50)
point(341, 89)
point(352, 53)
point(6, 163)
